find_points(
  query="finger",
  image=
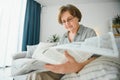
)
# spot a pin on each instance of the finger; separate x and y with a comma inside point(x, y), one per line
point(69, 57)
point(49, 66)
point(53, 68)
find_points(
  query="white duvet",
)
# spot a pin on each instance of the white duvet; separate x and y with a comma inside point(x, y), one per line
point(26, 65)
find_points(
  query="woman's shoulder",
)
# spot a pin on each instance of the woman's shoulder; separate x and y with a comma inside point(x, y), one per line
point(85, 28)
point(87, 31)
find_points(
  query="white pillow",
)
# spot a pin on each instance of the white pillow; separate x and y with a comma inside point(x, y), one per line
point(30, 50)
point(42, 45)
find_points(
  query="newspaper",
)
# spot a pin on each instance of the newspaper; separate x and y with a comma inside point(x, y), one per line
point(55, 55)
point(81, 51)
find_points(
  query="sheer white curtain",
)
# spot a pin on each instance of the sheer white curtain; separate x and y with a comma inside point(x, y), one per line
point(12, 14)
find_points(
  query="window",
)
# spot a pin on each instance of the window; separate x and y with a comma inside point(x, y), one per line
point(12, 14)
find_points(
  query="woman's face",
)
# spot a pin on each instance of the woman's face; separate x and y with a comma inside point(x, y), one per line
point(69, 22)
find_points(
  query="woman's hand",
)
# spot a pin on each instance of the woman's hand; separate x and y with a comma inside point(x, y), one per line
point(69, 67)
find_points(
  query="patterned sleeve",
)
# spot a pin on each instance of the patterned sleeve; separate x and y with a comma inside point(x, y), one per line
point(90, 33)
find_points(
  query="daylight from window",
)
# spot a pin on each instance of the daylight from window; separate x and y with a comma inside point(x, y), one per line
point(12, 14)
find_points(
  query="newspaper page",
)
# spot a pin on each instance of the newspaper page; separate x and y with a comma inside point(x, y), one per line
point(81, 51)
point(102, 45)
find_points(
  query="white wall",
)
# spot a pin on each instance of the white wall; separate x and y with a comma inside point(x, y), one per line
point(95, 15)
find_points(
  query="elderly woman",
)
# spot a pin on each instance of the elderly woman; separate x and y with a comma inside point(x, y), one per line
point(69, 16)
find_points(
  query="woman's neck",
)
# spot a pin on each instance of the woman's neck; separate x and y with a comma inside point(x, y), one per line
point(72, 34)
point(74, 31)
